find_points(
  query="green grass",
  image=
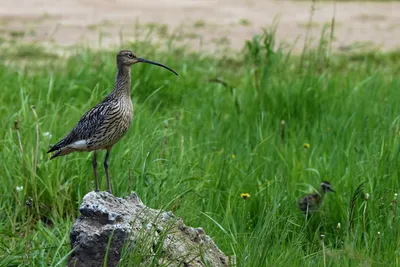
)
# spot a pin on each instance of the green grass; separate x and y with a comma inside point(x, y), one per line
point(201, 139)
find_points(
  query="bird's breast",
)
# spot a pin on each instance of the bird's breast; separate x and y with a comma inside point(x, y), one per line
point(114, 126)
point(125, 114)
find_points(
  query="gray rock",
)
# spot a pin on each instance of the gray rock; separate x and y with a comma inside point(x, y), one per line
point(124, 232)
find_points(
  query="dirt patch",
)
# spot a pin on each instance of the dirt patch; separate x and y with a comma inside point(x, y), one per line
point(206, 24)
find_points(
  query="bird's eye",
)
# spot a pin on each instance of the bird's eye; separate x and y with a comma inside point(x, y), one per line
point(130, 55)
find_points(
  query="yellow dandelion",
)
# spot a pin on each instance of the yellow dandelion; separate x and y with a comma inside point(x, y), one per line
point(245, 195)
point(306, 145)
point(233, 156)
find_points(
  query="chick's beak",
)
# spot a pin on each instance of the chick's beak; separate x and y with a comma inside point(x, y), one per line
point(156, 63)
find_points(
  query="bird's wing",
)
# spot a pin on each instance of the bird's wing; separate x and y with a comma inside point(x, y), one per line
point(306, 203)
point(86, 126)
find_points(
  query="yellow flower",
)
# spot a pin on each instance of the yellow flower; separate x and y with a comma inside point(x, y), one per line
point(245, 195)
point(306, 145)
point(233, 156)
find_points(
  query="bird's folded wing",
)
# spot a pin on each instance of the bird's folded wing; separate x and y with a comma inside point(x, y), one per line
point(87, 126)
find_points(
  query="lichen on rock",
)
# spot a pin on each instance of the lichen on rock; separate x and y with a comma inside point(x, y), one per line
point(124, 232)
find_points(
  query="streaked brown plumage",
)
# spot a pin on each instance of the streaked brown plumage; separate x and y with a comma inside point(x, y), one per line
point(104, 125)
point(311, 203)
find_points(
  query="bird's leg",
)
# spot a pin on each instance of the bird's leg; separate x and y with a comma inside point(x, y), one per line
point(96, 181)
point(308, 215)
point(106, 169)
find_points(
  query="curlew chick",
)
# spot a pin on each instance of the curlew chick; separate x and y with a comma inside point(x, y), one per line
point(104, 125)
point(311, 203)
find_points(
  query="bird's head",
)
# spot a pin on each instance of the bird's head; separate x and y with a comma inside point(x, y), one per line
point(326, 187)
point(128, 58)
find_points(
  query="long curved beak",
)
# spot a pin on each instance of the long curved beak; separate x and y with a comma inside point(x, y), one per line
point(156, 63)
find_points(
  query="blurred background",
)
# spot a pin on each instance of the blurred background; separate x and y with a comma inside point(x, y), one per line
point(202, 24)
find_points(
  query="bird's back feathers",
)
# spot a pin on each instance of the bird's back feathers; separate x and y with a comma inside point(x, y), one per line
point(89, 124)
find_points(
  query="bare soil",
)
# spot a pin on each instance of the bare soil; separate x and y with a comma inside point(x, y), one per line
point(204, 24)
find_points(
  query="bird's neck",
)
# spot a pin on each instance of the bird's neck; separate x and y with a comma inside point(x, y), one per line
point(122, 86)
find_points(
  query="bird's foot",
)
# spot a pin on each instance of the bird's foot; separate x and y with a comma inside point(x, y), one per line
point(97, 190)
point(109, 191)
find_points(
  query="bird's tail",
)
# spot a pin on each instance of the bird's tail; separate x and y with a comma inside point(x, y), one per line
point(57, 148)
point(56, 154)
point(61, 152)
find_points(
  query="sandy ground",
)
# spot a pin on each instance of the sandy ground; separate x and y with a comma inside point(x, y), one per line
point(204, 24)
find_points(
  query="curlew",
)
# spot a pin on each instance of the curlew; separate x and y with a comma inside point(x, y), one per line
point(311, 203)
point(104, 125)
